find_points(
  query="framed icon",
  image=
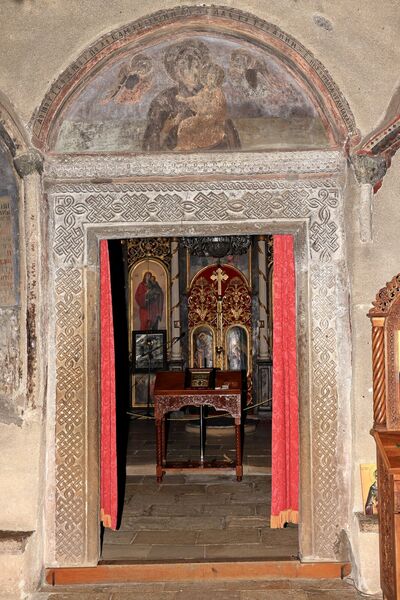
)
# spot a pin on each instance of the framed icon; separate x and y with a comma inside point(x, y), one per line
point(149, 351)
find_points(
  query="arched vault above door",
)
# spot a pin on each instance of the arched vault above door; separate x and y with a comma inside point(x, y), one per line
point(194, 79)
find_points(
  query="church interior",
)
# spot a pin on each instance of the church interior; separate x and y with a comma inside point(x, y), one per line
point(199, 300)
point(167, 290)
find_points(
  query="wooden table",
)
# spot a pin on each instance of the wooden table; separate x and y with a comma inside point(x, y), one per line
point(170, 394)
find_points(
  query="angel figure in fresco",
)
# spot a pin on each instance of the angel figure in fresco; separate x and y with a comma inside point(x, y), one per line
point(186, 63)
point(206, 129)
point(133, 81)
point(150, 299)
point(256, 79)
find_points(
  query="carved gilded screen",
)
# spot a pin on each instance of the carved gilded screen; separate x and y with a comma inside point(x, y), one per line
point(219, 317)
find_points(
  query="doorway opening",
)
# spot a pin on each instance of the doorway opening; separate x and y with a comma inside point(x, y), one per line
point(163, 293)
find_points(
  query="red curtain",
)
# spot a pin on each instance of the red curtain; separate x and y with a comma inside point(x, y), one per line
point(108, 454)
point(285, 426)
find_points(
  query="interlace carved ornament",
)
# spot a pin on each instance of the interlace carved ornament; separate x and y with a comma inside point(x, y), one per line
point(79, 206)
point(82, 204)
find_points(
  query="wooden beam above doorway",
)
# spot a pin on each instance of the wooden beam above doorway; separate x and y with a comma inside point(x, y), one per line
point(195, 571)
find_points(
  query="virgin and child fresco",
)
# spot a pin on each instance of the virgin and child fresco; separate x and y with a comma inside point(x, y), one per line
point(206, 93)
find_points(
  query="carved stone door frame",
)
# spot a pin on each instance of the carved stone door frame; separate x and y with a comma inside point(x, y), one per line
point(298, 193)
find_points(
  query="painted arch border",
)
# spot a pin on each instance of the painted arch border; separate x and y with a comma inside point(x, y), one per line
point(333, 104)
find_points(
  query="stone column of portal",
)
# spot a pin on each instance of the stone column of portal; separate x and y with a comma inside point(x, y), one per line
point(264, 352)
point(176, 350)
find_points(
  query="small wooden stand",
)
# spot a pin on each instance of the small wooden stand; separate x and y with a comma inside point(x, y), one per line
point(170, 394)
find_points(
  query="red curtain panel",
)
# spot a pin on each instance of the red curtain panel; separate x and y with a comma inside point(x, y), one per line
point(285, 420)
point(108, 455)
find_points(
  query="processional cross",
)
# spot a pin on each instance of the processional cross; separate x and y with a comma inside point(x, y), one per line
point(219, 275)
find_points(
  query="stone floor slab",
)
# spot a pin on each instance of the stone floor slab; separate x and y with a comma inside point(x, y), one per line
point(182, 552)
point(241, 552)
point(169, 536)
point(190, 510)
point(228, 536)
point(126, 552)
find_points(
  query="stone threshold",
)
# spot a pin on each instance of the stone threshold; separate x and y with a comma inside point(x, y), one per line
point(195, 571)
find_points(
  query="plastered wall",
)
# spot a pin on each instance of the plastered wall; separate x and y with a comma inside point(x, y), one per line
point(358, 44)
point(371, 265)
point(356, 41)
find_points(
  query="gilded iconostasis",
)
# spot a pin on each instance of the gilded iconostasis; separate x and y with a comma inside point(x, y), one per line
point(200, 302)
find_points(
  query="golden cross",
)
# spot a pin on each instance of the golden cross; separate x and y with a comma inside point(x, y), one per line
point(219, 276)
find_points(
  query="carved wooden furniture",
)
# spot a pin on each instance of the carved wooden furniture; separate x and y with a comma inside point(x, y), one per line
point(385, 317)
point(170, 394)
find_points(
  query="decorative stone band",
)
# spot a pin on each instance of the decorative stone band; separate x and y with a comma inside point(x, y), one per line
point(82, 209)
point(66, 166)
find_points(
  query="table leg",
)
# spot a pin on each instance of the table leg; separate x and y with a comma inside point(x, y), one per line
point(239, 466)
point(201, 435)
point(164, 447)
point(159, 451)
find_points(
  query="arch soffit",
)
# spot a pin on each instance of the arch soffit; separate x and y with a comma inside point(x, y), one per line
point(332, 105)
point(12, 131)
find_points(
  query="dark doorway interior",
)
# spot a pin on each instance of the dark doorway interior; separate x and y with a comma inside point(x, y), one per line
point(190, 516)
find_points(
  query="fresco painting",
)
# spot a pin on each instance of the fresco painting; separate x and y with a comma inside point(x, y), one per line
point(9, 232)
point(206, 93)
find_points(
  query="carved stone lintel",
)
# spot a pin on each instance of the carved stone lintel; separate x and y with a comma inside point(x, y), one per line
point(66, 166)
point(369, 169)
point(27, 163)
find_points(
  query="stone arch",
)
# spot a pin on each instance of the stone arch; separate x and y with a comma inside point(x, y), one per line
point(305, 68)
point(17, 357)
point(373, 157)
